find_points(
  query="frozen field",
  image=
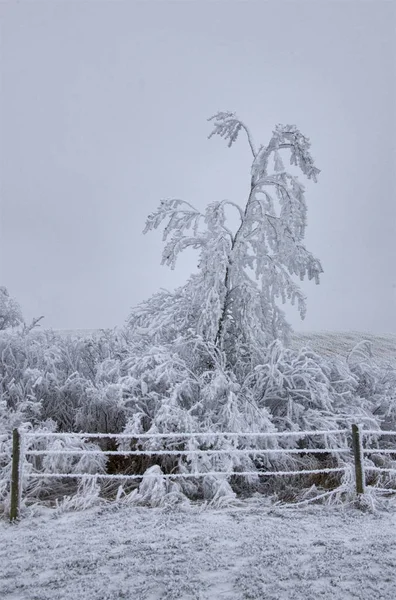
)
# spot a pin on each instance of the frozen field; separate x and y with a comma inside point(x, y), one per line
point(331, 343)
point(250, 551)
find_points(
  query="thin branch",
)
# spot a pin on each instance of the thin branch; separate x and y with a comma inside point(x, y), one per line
point(250, 139)
point(188, 204)
point(247, 131)
point(235, 205)
point(229, 232)
point(267, 181)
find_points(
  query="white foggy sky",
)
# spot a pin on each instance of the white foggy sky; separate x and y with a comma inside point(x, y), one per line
point(103, 109)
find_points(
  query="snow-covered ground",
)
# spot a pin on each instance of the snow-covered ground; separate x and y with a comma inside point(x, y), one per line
point(245, 552)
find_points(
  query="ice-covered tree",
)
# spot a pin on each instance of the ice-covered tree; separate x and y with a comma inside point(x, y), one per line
point(243, 272)
point(10, 311)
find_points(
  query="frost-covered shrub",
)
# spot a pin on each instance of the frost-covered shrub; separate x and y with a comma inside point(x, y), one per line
point(295, 388)
point(303, 391)
point(102, 410)
point(152, 489)
point(218, 491)
point(10, 311)
point(59, 458)
point(36, 488)
point(45, 376)
point(376, 383)
point(73, 463)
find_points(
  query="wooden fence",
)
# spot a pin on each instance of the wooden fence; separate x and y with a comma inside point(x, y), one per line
point(356, 449)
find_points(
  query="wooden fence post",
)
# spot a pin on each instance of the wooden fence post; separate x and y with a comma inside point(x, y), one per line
point(358, 457)
point(15, 475)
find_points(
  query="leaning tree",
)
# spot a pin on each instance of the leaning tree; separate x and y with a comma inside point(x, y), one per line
point(232, 302)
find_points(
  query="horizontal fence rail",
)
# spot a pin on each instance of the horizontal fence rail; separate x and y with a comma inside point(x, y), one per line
point(21, 451)
point(189, 452)
point(181, 475)
point(368, 451)
point(211, 434)
point(378, 433)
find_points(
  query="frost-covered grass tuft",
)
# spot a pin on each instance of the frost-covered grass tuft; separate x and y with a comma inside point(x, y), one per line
point(87, 495)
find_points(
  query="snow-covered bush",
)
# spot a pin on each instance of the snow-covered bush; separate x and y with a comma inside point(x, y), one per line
point(376, 383)
point(10, 311)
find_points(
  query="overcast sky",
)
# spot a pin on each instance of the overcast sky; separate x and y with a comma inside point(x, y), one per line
point(103, 110)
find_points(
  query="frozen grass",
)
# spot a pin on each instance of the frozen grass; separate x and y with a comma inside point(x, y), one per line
point(243, 552)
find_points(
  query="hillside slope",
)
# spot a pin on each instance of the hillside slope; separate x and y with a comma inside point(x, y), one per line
point(330, 343)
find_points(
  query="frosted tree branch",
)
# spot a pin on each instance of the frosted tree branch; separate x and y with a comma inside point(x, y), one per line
point(228, 126)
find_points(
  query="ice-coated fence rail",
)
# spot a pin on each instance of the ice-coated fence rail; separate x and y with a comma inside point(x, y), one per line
point(379, 433)
point(22, 441)
point(236, 451)
point(200, 434)
point(183, 475)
